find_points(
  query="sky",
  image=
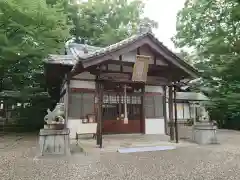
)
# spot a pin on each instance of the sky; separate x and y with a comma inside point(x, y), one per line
point(164, 12)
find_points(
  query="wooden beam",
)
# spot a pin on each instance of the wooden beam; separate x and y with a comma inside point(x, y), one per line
point(121, 63)
point(98, 72)
point(138, 51)
point(118, 62)
point(152, 68)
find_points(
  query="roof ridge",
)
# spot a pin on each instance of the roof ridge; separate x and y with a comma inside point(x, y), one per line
point(115, 45)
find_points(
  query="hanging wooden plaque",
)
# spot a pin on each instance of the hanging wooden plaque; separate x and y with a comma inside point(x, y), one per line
point(140, 68)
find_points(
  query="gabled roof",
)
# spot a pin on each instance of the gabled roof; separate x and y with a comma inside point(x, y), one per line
point(169, 55)
point(112, 47)
point(87, 55)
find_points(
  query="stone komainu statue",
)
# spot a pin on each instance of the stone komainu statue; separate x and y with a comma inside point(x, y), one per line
point(204, 116)
point(56, 116)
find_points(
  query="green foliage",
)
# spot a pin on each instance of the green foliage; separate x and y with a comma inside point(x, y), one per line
point(212, 29)
point(106, 22)
point(29, 31)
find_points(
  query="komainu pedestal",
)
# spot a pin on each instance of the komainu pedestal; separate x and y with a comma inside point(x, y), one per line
point(54, 142)
point(204, 133)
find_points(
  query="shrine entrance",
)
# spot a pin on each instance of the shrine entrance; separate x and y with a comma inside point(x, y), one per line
point(122, 108)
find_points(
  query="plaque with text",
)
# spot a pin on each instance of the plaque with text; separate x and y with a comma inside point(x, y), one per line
point(140, 68)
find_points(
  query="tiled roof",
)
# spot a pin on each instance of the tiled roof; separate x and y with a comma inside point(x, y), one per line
point(61, 59)
point(191, 96)
point(127, 41)
point(113, 47)
point(81, 47)
point(76, 52)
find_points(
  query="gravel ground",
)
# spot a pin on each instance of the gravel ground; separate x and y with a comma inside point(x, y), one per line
point(18, 161)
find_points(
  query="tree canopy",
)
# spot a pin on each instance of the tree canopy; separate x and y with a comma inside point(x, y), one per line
point(212, 30)
point(30, 30)
point(106, 22)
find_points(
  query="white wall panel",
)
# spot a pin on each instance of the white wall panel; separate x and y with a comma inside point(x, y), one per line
point(182, 111)
point(73, 125)
point(154, 126)
point(130, 56)
point(85, 75)
point(158, 89)
point(82, 84)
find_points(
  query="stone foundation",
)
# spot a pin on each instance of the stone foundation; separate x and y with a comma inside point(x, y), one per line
point(54, 142)
point(204, 133)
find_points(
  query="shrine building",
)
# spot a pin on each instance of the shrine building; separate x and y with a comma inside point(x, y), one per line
point(127, 87)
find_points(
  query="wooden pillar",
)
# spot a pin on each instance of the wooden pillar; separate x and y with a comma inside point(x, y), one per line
point(100, 114)
point(143, 118)
point(99, 87)
point(125, 104)
point(175, 113)
point(170, 112)
point(67, 101)
point(143, 110)
point(165, 109)
point(120, 105)
point(194, 114)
